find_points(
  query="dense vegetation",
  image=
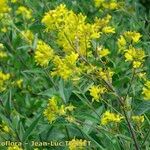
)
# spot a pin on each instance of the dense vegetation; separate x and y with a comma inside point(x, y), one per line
point(74, 75)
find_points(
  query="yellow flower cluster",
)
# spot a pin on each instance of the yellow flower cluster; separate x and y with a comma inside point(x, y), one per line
point(4, 127)
point(14, 1)
point(2, 53)
point(24, 12)
point(132, 54)
point(19, 83)
point(132, 36)
point(53, 110)
point(138, 119)
point(5, 18)
point(103, 52)
point(27, 35)
point(74, 33)
point(3, 78)
point(106, 74)
point(65, 67)
point(43, 53)
point(109, 117)
point(4, 8)
point(77, 144)
point(146, 90)
point(107, 4)
point(128, 37)
point(108, 29)
point(16, 147)
point(136, 56)
point(96, 92)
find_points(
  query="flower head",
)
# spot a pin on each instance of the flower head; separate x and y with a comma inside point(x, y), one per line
point(43, 54)
point(109, 117)
point(96, 92)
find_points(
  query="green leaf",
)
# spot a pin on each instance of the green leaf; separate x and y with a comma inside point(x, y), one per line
point(31, 128)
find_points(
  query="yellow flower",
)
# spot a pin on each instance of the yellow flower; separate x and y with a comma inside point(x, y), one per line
point(135, 55)
point(43, 54)
point(71, 119)
point(142, 75)
point(1, 46)
point(65, 67)
point(25, 12)
point(108, 29)
point(99, 3)
point(111, 5)
point(4, 8)
point(103, 52)
point(146, 90)
point(4, 29)
point(27, 35)
point(71, 59)
point(3, 78)
point(77, 144)
point(54, 19)
point(4, 127)
point(74, 33)
point(109, 117)
point(14, 148)
point(121, 43)
point(3, 54)
point(96, 91)
point(19, 83)
point(107, 4)
point(138, 119)
point(134, 36)
point(102, 22)
point(106, 74)
point(70, 108)
point(136, 64)
point(14, 1)
point(52, 110)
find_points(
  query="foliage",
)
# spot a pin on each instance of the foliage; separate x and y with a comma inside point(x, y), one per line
point(74, 72)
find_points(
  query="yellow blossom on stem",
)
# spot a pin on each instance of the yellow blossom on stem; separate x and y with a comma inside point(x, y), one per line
point(65, 67)
point(16, 147)
point(4, 8)
point(108, 29)
point(112, 5)
point(4, 127)
point(77, 144)
point(137, 64)
point(74, 33)
point(138, 119)
point(54, 110)
point(43, 54)
point(14, 1)
point(121, 43)
point(27, 35)
point(134, 36)
point(102, 22)
point(109, 117)
point(96, 92)
point(19, 83)
point(25, 12)
point(3, 54)
point(146, 90)
point(103, 52)
point(105, 74)
point(135, 55)
point(3, 78)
